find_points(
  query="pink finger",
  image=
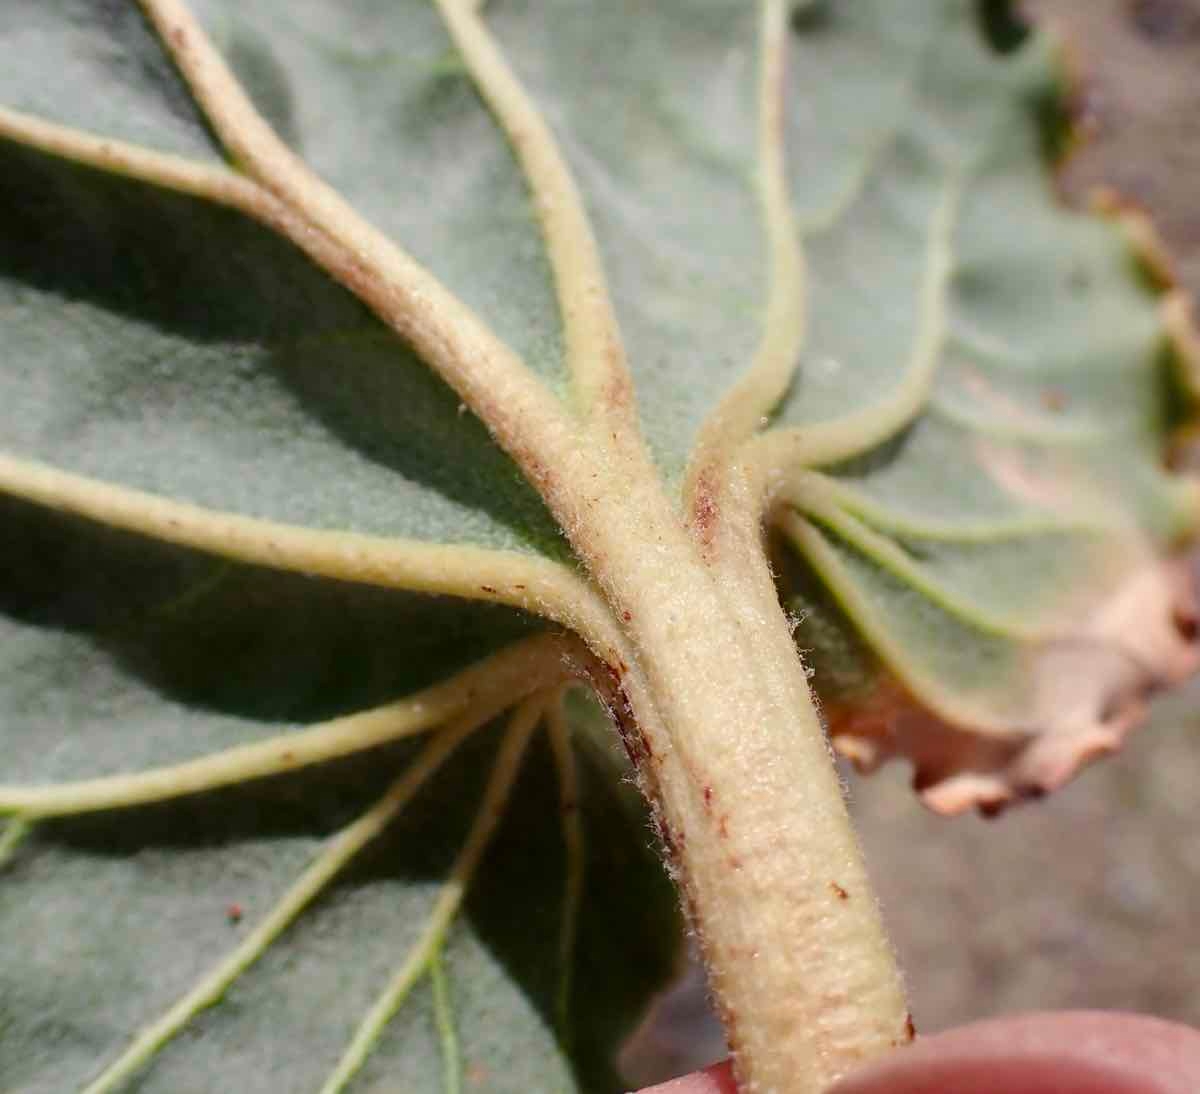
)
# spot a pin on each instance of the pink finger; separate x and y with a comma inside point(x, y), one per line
point(1089, 1052)
point(717, 1079)
point(1084, 1052)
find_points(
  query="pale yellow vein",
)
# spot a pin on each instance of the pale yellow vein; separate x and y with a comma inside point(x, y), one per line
point(595, 354)
point(522, 414)
point(443, 1016)
point(574, 851)
point(964, 530)
point(475, 695)
point(212, 182)
point(450, 894)
point(863, 614)
point(893, 559)
point(329, 863)
point(780, 451)
point(529, 582)
point(742, 411)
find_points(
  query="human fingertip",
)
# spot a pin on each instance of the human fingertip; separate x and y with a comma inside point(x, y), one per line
point(717, 1079)
point(1091, 1052)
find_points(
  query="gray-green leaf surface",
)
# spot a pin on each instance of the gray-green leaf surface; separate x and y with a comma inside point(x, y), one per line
point(155, 341)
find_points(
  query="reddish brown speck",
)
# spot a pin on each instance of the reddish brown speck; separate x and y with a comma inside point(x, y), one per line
point(234, 913)
point(838, 891)
point(627, 616)
point(723, 826)
point(910, 1033)
point(488, 588)
point(1186, 624)
point(735, 862)
point(1054, 399)
point(521, 587)
point(704, 516)
point(708, 796)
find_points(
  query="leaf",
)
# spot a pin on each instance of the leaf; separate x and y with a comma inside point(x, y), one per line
point(186, 351)
point(229, 357)
point(110, 918)
point(998, 558)
point(279, 502)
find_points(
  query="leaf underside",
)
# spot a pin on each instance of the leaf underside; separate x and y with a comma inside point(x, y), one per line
point(1002, 554)
point(983, 586)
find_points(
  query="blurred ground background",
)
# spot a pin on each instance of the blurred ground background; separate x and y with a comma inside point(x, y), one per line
point(1136, 106)
point(1090, 898)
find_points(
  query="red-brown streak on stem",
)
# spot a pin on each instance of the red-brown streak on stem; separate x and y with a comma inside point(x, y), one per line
point(705, 511)
point(618, 390)
point(608, 683)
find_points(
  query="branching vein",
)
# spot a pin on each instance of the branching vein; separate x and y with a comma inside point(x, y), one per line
point(443, 1016)
point(521, 413)
point(781, 451)
point(337, 853)
point(888, 555)
point(963, 531)
point(210, 182)
point(450, 895)
point(474, 695)
point(528, 582)
point(741, 412)
point(593, 340)
point(809, 541)
point(559, 731)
